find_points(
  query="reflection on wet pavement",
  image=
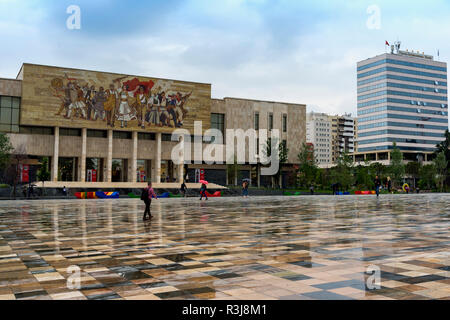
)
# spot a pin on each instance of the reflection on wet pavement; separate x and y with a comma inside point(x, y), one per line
point(231, 248)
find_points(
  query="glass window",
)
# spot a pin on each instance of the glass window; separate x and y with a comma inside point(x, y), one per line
point(166, 137)
point(121, 135)
point(36, 130)
point(15, 116)
point(70, 132)
point(5, 115)
point(270, 121)
point(97, 134)
point(218, 122)
point(16, 103)
point(256, 121)
point(146, 136)
point(6, 102)
point(284, 123)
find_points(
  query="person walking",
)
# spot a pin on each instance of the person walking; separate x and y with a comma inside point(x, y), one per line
point(377, 183)
point(389, 184)
point(65, 191)
point(146, 196)
point(203, 192)
point(311, 189)
point(183, 189)
point(245, 189)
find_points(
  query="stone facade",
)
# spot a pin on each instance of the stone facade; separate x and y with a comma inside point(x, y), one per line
point(240, 113)
point(10, 87)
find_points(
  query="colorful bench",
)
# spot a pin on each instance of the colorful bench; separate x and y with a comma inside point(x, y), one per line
point(97, 195)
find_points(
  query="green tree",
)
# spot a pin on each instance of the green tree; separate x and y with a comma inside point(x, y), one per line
point(282, 157)
point(5, 150)
point(377, 169)
point(413, 169)
point(343, 172)
point(444, 147)
point(308, 170)
point(440, 163)
point(43, 173)
point(396, 168)
point(233, 172)
point(363, 176)
point(427, 176)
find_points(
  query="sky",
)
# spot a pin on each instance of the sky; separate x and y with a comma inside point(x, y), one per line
point(288, 51)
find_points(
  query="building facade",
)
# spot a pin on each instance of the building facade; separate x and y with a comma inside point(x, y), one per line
point(343, 136)
point(113, 128)
point(319, 134)
point(402, 98)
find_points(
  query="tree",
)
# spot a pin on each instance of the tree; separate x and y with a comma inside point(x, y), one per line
point(282, 157)
point(440, 163)
point(43, 173)
point(396, 168)
point(233, 172)
point(308, 170)
point(5, 150)
point(427, 176)
point(444, 147)
point(18, 157)
point(377, 169)
point(413, 168)
point(363, 176)
point(343, 172)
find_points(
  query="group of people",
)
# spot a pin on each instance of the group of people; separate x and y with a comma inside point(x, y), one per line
point(148, 193)
point(122, 103)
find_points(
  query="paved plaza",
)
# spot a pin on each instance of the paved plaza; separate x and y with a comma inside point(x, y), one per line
point(319, 247)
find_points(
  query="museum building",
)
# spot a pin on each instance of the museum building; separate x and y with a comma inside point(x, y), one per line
point(111, 128)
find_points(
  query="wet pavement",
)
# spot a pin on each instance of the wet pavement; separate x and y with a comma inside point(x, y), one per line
point(321, 247)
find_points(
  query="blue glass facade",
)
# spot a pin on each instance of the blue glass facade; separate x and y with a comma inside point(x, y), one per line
point(423, 100)
point(401, 78)
point(401, 70)
point(401, 132)
point(401, 124)
point(403, 63)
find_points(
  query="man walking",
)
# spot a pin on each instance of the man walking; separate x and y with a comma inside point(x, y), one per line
point(377, 183)
point(146, 196)
point(183, 189)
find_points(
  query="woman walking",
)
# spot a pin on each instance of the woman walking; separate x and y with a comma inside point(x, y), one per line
point(245, 189)
point(203, 192)
point(146, 196)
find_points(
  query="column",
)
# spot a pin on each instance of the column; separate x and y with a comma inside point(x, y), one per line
point(389, 156)
point(134, 157)
point(83, 155)
point(158, 158)
point(258, 172)
point(108, 173)
point(55, 156)
point(181, 163)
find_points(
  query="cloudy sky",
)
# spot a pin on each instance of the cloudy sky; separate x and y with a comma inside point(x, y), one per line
point(292, 51)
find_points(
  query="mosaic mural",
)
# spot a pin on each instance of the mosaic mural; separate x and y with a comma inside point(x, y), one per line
point(78, 98)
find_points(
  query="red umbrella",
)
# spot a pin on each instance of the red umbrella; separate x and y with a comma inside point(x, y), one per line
point(203, 181)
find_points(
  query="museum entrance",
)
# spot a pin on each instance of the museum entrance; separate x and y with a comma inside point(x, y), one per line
point(119, 170)
point(167, 171)
point(94, 169)
point(67, 169)
point(142, 170)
